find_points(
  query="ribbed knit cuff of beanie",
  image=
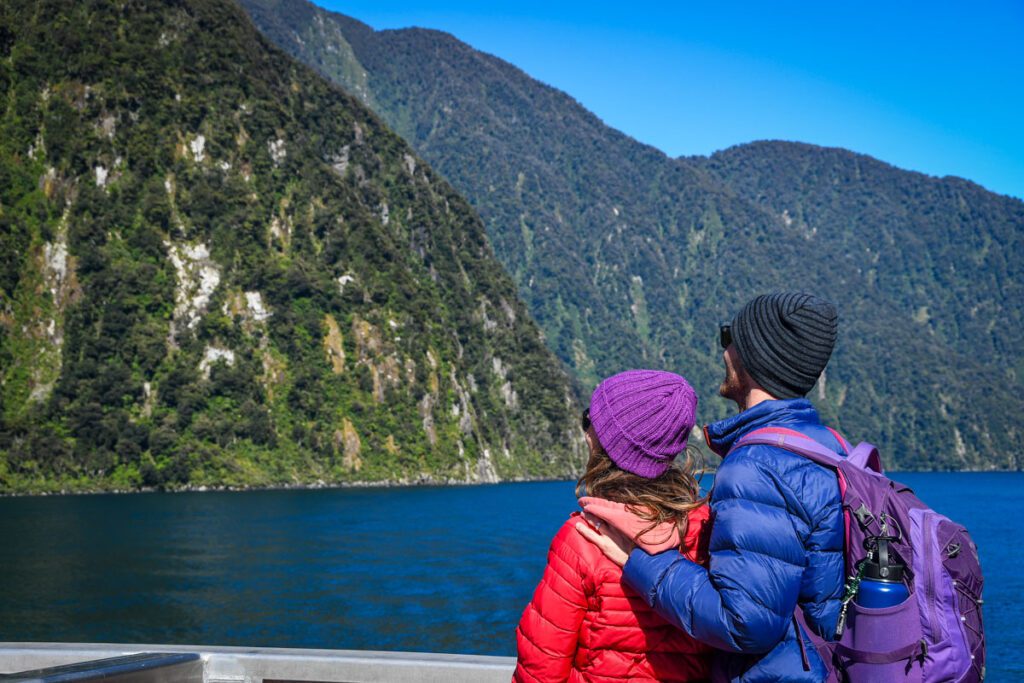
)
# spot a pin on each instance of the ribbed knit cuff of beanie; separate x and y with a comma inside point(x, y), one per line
point(785, 340)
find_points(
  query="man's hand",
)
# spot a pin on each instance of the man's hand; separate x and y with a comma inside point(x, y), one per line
point(613, 543)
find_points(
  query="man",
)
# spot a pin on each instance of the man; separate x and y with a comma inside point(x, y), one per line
point(777, 537)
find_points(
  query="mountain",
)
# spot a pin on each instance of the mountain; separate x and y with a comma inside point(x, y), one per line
point(954, 243)
point(219, 269)
point(627, 257)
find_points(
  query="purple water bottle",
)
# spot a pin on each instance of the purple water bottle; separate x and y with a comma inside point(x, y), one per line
point(882, 584)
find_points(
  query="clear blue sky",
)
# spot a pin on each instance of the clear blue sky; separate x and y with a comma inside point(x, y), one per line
point(936, 86)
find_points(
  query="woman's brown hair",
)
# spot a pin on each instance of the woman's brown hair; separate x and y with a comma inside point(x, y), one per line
point(668, 497)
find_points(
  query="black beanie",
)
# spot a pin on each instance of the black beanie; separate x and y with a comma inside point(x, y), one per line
point(785, 340)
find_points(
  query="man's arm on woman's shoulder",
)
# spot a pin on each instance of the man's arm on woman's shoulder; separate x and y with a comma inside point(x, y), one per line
point(745, 600)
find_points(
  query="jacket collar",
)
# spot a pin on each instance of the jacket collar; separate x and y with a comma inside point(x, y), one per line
point(722, 435)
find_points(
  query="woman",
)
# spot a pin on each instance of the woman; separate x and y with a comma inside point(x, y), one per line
point(583, 623)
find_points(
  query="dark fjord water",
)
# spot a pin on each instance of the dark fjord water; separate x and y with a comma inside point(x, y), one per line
point(428, 569)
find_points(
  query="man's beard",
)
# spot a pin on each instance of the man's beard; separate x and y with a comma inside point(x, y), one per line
point(731, 387)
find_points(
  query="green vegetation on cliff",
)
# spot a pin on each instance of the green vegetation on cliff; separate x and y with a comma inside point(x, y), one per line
point(218, 269)
point(627, 258)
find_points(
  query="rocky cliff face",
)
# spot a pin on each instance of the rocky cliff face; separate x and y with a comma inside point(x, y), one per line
point(217, 269)
point(627, 257)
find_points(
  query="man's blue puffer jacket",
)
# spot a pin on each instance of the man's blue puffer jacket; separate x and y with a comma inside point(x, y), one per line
point(776, 542)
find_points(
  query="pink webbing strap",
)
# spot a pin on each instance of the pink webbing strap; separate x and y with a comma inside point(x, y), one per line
point(864, 455)
point(843, 443)
point(773, 430)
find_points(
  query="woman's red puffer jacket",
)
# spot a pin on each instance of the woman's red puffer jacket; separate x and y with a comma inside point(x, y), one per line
point(584, 624)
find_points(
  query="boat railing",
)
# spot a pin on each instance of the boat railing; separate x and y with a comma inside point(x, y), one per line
point(85, 663)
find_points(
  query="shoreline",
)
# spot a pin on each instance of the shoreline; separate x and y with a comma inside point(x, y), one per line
point(391, 483)
point(311, 486)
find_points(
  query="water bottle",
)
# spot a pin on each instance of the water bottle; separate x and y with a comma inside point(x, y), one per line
point(882, 583)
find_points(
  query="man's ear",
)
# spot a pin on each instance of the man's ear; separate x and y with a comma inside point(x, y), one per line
point(751, 387)
point(747, 381)
point(737, 364)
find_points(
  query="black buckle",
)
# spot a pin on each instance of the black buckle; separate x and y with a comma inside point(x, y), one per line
point(863, 515)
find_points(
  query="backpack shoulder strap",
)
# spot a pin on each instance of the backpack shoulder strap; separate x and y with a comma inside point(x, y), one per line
point(794, 442)
point(864, 455)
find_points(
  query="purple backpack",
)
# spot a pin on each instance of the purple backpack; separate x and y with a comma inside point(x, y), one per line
point(937, 633)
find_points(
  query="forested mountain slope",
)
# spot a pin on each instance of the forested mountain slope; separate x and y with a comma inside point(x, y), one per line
point(950, 248)
point(627, 257)
point(219, 269)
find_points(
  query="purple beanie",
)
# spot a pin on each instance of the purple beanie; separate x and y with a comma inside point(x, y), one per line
point(642, 419)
